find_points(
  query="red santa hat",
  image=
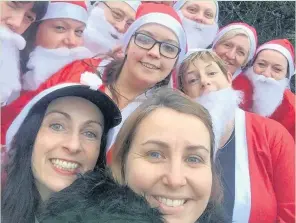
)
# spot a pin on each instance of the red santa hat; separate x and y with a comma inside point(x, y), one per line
point(179, 4)
point(285, 48)
point(158, 14)
point(250, 30)
point(76, 10)
point(163, 15)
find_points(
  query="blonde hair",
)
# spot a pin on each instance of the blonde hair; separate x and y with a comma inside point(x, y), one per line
point(232, 33)
point(205, 55)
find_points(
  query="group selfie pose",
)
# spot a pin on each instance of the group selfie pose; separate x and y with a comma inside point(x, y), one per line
point(144, 112)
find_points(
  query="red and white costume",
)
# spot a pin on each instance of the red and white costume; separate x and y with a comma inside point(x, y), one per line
point(198, 35)
point(10, 85)
point(70, 73)
point(147, 13)
point(45, 62)
point(272, 98)
point(264, 171)
point(101, 37)
point(239, 81)
point(259, 181)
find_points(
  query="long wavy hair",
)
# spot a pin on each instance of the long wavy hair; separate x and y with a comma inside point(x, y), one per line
point(112, 72)
point(20, 197)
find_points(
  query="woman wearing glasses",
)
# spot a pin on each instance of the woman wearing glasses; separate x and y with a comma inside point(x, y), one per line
point(153, 45)
point(115, 17)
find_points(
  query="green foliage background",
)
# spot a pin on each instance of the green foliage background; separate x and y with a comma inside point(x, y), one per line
point(272, 19)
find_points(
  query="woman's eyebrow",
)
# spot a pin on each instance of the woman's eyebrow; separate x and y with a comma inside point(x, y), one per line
point(59, 112)
point(152, 35)
point(95, 122)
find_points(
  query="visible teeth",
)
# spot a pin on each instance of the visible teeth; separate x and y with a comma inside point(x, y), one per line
point(61, 164)
point(150, 66)
point(170, 203)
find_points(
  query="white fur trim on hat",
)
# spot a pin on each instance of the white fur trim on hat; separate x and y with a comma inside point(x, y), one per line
point(161, 19)
point(67, 11)
point(251, 35)
point(179, 4)
point(283, 51)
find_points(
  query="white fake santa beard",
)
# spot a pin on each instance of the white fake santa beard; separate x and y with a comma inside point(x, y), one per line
point(43, 63)
point(98, 35)
point(198, 35)
point(11, 44)
point(221, 106)
point(268, 93)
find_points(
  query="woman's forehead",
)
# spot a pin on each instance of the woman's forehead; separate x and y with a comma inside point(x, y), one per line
point(159, 32)
point(202, 4)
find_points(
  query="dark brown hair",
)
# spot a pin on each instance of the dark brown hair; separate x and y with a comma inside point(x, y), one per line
point(112, 72)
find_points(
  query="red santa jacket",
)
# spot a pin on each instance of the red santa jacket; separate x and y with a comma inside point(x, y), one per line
point(242, 83)
point(264, 171)
point(285, 113)
point(70, 73)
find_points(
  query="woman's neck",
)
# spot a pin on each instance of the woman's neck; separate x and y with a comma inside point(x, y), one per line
point(44, 191)
point(126, 90)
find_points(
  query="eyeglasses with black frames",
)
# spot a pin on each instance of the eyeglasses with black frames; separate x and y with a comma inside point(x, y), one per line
point(147, 42)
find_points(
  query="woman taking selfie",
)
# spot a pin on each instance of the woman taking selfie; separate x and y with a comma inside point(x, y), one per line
point(164, 151)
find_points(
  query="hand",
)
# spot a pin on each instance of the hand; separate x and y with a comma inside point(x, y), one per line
point(116, 53)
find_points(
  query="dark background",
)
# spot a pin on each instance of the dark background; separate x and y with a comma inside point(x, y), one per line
point(272, 19)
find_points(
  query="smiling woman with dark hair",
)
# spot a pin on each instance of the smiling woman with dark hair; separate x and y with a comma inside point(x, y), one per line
point(50, 142)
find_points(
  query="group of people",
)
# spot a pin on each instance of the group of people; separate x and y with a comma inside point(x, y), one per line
point(130, 111)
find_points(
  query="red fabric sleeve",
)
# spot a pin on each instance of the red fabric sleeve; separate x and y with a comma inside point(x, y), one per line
point(285, 113)
point(283, 161)
point(242, 83)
